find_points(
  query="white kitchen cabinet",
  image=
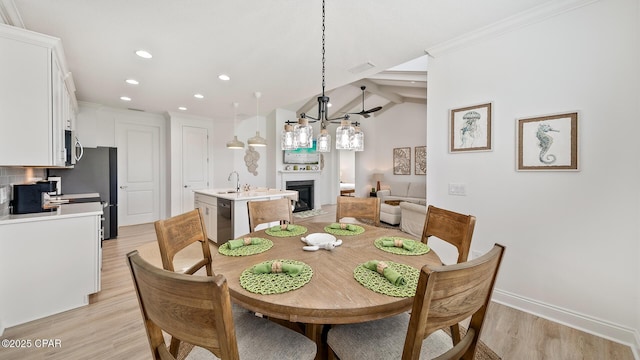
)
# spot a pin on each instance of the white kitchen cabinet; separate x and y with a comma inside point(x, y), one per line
point(49, 262)
point(36, 104)
point(207, 205)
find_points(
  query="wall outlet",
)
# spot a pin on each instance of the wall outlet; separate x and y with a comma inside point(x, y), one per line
point(4, 194)
point(459, 189)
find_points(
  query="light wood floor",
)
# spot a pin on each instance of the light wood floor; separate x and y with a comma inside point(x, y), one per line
point(111, 326)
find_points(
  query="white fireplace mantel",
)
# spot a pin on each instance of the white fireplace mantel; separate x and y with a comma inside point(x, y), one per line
point(299, 175)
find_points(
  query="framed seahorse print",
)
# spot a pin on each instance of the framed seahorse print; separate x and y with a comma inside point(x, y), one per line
point(548, 142)
point(470, 128)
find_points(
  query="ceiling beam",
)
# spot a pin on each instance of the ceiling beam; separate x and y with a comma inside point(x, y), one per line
point(378, 90)
point(9, 14)
point(311, 103)
point(386, 107)
point(355, 102)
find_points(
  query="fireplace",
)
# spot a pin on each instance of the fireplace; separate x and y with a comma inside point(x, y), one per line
point(305, 194)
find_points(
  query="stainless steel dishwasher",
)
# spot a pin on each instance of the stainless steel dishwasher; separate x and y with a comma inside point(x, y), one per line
point(224, 221)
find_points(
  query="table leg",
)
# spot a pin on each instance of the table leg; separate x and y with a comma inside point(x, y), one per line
point(314, 332)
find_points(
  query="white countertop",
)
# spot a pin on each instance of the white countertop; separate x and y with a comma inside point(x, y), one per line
point(78, 196)
point(247, 195)
point(63, 211)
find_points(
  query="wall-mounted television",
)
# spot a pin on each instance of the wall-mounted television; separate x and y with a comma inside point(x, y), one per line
point(302, 155)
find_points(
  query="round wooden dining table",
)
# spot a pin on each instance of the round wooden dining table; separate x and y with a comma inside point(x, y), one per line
point(332, 296)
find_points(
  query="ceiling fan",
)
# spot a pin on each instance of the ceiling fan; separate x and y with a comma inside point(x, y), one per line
point(365, 113)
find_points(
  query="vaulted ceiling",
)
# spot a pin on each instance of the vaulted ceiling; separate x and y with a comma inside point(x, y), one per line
point(273, 47)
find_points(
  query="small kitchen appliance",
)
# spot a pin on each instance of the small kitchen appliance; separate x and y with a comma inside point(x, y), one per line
point(30, 198)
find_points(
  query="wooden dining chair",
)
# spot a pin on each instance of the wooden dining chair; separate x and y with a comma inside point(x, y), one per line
point(455, 229)
point(197, 310)
point(262, 212)
point(360, 208)
point(449, 226)
point(178, 232)
point(445, 296)
point(174, 235)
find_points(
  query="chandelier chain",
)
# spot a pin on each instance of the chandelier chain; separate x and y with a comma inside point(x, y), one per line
point(323, 59)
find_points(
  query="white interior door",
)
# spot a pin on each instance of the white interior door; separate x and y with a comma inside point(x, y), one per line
point(195, 163)
point(138, 173)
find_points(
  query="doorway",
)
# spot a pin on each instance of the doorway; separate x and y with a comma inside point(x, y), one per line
point(347, 170)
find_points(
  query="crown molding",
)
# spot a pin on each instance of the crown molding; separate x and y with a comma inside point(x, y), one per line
point(526, 18)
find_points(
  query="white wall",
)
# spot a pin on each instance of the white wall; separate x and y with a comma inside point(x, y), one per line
point(572, 238)
point(228, 160)
point(403, 125)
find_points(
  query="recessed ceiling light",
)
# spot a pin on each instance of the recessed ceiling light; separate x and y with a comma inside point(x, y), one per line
point(125, 98)
point(144, 54)
point(198, 96)
point(224, 77)
point(132, 81)
point(329, 105)
point(182, 108)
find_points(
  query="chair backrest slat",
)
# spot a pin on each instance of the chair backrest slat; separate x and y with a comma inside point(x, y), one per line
point(262, 212)
point(361, 208)
point(195, 309)
point(449, 226)
point(449, 294)
point(176, 233)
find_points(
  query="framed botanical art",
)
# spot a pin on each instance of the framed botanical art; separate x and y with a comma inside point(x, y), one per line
point(470, 128)
point(402, 161)
point(548, 142)
point(421, 160)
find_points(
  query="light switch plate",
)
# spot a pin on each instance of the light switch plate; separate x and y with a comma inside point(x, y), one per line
point(459, 189)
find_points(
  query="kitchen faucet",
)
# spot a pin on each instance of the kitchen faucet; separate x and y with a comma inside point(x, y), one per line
point(237, 180)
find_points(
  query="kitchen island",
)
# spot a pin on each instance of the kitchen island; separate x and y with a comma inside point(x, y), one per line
point(49, 262)
point(225, 211)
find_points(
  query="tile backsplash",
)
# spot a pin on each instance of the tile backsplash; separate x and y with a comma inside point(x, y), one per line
point(11, 175)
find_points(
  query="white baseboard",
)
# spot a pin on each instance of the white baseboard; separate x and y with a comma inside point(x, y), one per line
point(602, 328)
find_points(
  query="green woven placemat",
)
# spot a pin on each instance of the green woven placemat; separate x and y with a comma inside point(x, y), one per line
point(345, 232)
point(421, 248)
point(279, 283)
point(264, 245)
point(378, 283)
point(297, 230)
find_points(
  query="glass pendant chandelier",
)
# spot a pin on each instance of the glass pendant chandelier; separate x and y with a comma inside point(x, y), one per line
point(324, 141)
point(303, 133)
point(344, 135)
point(235, 143)
point(288, 138)
point(357, 141)
point(257, 140)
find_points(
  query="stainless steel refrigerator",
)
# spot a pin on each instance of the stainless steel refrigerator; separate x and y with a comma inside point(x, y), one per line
point(95, 172)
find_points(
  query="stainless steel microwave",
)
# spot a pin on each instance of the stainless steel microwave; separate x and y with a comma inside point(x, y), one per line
point(73, 148)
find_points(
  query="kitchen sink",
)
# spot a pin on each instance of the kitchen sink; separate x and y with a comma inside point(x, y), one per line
point(227, 192)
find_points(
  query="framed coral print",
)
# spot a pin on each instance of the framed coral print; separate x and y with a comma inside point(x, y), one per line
point(470, 128)
point(421, 160)
point(402, 161)
point(548, 142)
